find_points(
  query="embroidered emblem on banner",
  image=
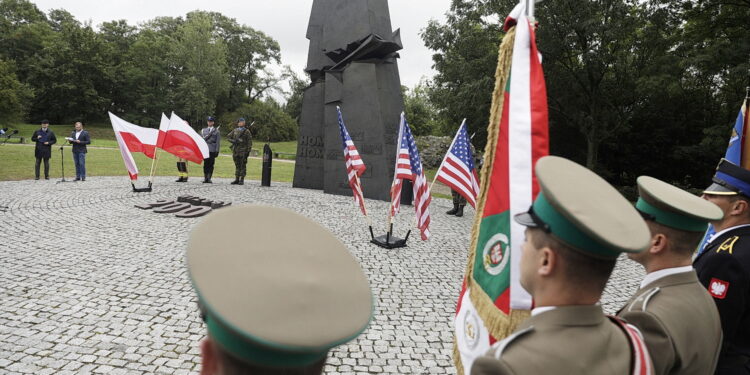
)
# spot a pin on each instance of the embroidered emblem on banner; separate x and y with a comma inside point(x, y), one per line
point(718, 288)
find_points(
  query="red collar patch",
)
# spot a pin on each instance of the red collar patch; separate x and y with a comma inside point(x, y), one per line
point(718, 288)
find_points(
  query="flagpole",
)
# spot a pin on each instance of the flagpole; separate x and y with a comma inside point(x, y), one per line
point(530, 9)
point(395, 172)
point(446, 155)
point(153, 165)
point(359, 190)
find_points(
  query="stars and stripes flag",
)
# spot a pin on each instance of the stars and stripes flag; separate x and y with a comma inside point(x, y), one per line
point(492, 302)
point(354, 164)
point(457, 169)
point(409, 167)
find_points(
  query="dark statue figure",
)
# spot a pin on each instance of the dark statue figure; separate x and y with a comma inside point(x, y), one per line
point(352, 64)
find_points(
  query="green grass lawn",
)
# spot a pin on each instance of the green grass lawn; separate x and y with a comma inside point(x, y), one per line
point(17, 163)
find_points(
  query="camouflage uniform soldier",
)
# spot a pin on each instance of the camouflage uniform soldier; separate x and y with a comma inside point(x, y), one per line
point(242, 142)
point(459, 202)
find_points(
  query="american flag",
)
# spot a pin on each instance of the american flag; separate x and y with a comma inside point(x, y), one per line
point(354, 165)
point(457, 169)
point(409, 166)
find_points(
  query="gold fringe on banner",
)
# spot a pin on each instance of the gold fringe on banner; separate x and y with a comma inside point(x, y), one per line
point(498, 324)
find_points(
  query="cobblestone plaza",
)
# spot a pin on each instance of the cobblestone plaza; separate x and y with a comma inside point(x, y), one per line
point(91, 284)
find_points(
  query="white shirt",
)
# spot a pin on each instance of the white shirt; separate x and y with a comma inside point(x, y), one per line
point(656, 275)
point(78, 134)
point(538, 310)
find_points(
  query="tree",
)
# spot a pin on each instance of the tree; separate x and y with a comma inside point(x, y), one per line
point(297, 86)
point(272, 124)
point(422, 115)
point(14, 96)
point(200, 58)
point(465, 59)
point(70, 76)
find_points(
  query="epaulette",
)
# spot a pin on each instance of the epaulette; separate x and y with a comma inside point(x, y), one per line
point(498, 347)
point(645, 297)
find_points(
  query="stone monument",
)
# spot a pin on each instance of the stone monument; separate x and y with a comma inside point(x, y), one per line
point(352, 64)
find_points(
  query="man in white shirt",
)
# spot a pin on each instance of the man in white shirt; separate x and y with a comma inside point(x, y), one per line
point(673, 311)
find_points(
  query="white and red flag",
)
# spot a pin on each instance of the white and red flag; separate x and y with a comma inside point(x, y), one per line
point(179, 139)
point(492, 301)
point(457, 169)
point(354, 164)
point(133, 138)
point(409, 167)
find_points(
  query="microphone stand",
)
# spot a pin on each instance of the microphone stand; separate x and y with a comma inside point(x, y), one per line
point(62, 164)
point(7, 136)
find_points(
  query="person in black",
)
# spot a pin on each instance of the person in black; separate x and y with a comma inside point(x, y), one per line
point(723, 265)
point(44, 139)
point(79, 138)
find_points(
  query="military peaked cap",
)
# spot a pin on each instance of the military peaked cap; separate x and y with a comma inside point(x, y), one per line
point(585, 212)
point(275, 288)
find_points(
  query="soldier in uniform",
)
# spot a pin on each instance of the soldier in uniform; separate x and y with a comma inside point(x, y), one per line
point(723, 265)
point(211, 135)
point(242, 142)
point(281, 315)
point(576, 228)
point(182, 172)
point(673, 311)
point(459, 202)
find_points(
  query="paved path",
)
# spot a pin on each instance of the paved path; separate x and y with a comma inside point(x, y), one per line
point(90, 284)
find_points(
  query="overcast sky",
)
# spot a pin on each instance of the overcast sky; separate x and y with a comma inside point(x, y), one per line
point(283, 20)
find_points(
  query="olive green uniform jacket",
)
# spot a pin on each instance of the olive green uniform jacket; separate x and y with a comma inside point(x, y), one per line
point(566, 340)
point(679, 322)
point(241, 140)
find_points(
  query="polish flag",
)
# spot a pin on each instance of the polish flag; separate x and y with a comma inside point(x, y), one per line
point(179, 139)
point(136, 138)
point(133, 138)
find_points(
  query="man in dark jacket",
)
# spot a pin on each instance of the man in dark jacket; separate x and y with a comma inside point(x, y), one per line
point(79, 138)
point(723, 265)
point(212, 137)
point(44, 139)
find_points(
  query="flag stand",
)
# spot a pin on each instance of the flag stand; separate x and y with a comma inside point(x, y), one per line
point(146, 189)
point(388, 240)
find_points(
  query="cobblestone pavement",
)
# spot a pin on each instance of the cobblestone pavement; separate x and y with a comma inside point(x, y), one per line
point(90, 284)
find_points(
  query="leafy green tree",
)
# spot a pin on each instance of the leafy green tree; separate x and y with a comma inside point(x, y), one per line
point(200, 57)
point(14, 95)
point(465, 59)
point(70, 76)
point(424, 118)
point(272, 124)
point(23, 32)
point(297, 86)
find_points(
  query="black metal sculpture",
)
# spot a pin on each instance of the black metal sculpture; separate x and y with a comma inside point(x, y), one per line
point(352, 64)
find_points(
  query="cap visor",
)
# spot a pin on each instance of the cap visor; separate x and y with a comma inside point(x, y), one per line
point(717, 189)
point(525, 219)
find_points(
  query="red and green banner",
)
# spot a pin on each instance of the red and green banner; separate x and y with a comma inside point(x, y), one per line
point(492, 301)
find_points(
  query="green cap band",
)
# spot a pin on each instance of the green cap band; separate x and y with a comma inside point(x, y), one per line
point(254, 353)
point(565, 230)
point(671, 219)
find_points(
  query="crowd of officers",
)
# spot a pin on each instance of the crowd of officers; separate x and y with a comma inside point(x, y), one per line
point(690, 314)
